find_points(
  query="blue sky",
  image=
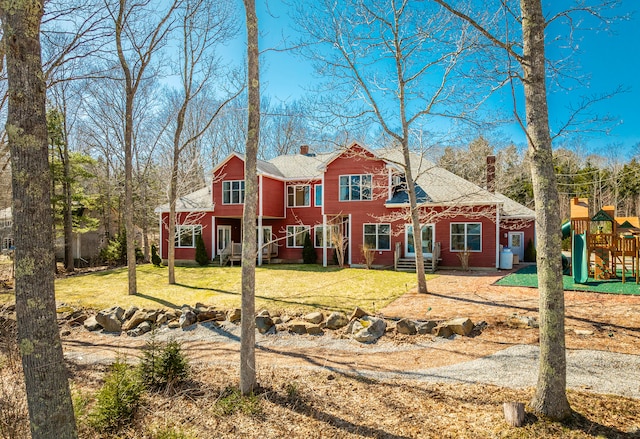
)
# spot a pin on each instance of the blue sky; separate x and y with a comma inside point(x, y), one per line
point(608, 59)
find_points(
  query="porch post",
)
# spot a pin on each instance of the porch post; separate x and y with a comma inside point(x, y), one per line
point(161, 236)
point(349, 244)
point(497, 235)
point(324, 239)
point(214, 238)
point(260, 239)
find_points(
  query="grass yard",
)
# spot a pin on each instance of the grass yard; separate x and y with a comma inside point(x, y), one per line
point(294, 288)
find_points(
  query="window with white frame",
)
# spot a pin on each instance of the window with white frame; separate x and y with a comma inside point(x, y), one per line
point(466, 237)
point(318, 232)
point(233, 192)
point(6, 223)
point(317, 199)
point(186, 235)
point(355, 187)
point(299, 195)
point(7, 243)
point(296, 234)
point(377, 236)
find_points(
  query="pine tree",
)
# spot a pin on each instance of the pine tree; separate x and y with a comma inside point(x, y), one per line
point(309, 255)
point(202, 257)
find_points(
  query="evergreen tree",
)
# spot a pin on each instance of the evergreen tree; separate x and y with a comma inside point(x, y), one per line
point(309, 255)
point(201, 252)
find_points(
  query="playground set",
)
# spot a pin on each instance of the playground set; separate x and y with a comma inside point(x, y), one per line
point(602, 245)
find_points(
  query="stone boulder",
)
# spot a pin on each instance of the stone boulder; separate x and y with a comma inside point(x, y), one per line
point(130, 312)
point(367, 329)
point(138, 317)
point(521, 322)
point(314, 329)
point(234, 315)
point(91, 324)
point(264, 324)
point(443, 331)
point(314, 317)
point(460, 326)
point(205, 315)
point(187, 318)
point(111, 319)
point(427, 327)
point(336, 320)
point(406, 326)
point(297, 327)
point(142, 328)
point(358, 313)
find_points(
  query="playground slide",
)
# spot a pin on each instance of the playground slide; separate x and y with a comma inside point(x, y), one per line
point(566, 230)
point(579, 258)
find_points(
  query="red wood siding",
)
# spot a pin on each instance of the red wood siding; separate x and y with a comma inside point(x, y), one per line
point(204, 219)
point(232, 170)
point(273, 192)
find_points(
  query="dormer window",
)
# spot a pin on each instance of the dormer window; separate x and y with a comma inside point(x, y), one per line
point(398, 184)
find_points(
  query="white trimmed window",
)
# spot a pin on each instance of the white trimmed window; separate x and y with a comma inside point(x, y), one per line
point(299, 195)
point(7, 243)
point(295, 235)
point(186, 235)
point(317, 199)
point(466, 236)
point(233, 192)
point(355, 187)
point(377, 236)
point(318, 232)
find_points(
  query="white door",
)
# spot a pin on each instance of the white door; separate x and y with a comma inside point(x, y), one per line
point(224, 238)
point(426, 238)
point(516, 244)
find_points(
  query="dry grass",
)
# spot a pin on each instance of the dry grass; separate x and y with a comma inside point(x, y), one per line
point(291, 287)
point(331, 405)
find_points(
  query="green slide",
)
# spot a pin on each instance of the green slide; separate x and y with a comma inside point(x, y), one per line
point(566, 230)
point(579, 258)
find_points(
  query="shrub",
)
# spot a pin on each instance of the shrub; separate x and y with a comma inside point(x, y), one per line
point(118, 398)
point(163, 365)
point(309, 255)
point(530, 252)
point(201, 252)
point(369, 255)
point(155, 258)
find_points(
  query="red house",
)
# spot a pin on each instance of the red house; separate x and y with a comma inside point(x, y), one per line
point(347, 201)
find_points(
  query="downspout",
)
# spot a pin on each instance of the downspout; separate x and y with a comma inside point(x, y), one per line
point(497, 235)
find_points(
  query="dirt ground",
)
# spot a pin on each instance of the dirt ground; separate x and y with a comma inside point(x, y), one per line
point(594, 321)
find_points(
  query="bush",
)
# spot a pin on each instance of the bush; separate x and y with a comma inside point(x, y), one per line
point(309, 255)
point(369, 255)
point(201, 252)
point(530, 252)
point(118, 398)
point(155, 258)
point(163, 365)
point(232, 401)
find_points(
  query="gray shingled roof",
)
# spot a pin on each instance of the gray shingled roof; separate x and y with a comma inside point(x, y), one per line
point(441, 186)
point(513, 209)
point(300, 166)
point(198, 200)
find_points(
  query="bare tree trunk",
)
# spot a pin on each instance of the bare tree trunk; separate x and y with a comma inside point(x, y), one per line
point(173, 191)
point(67, 212)
point(128, 193)
point(48, 396)
point(550, 398)
point(247, 342)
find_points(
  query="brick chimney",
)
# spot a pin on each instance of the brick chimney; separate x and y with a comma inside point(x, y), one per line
point(304, 149)
point(491, 173)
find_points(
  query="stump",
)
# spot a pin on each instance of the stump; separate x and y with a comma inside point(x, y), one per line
point(514, 413)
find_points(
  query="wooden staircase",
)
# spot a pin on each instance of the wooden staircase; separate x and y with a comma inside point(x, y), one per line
point(409, 265)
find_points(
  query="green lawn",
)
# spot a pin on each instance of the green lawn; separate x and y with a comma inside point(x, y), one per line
point(528, 277)
point(294, 288)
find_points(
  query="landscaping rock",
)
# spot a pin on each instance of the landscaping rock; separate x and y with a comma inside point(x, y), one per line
point(314, 330)
point(77, 318)
point(187, 319)
point(111, 319)
point(297, 327)
point(583, 332)
point(460, 326)
point(314, 317)
point(138, 317)
point(443, 331)
point(358, 313)
point(234, 315)
point(337, 320)
point(368, 329)
point(173, 324)
point(264, 313)
point(162, 318)
point(521, 322)
point(427, 327)
point(130, 312)
point(406, 326)
point(264, 324)
point(211, 314)
point(91, 324)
